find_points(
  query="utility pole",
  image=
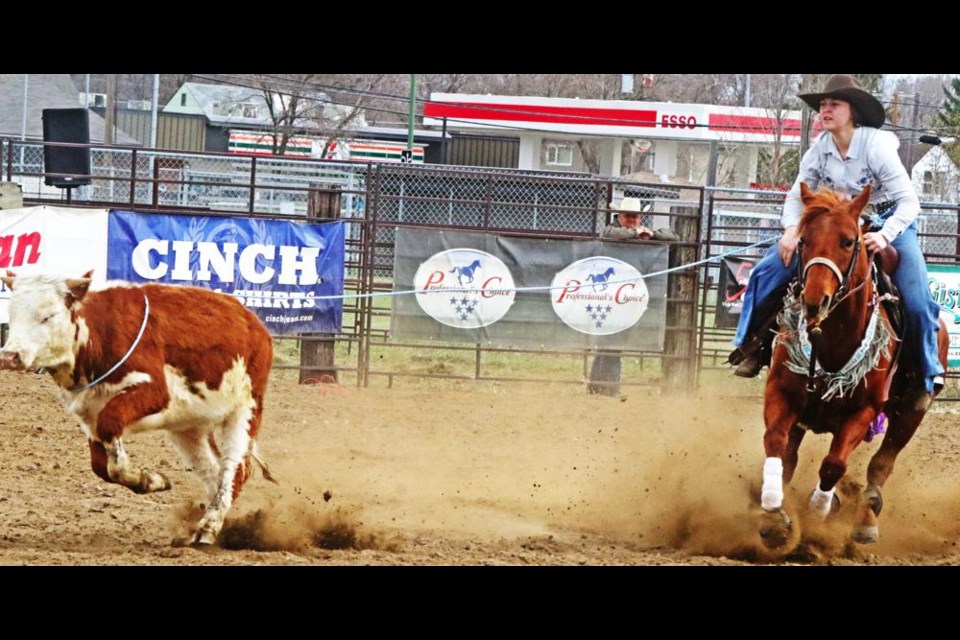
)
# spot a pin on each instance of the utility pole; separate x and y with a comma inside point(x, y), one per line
point(913, 129)
point(108, 115)
point(23, 121)
point(153, 110)
point(410, 120)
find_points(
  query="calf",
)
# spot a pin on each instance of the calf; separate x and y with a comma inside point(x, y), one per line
point(131, 358)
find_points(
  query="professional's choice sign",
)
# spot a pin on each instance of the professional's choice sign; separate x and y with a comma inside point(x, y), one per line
point(599, 296)
point(464, 288)
point(945, 289)
point(51, 240)
point(278, 269)
point(482, 288)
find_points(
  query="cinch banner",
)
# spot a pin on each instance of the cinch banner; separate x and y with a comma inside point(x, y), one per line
point(51, 240)
point(461, 286)
point(276, 268)
point(734, 275)
point(944, 284)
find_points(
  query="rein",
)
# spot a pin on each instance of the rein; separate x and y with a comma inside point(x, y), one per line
point(99, 379)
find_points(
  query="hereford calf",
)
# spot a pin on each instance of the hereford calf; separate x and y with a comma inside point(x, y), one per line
point(131, 358)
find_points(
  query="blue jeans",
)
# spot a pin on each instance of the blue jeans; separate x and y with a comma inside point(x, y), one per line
point(921, 311)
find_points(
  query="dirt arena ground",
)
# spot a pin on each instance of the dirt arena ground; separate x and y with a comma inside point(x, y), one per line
point(470, 474)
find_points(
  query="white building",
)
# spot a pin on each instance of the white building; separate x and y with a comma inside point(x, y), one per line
point(549, 128)
point(936, 177)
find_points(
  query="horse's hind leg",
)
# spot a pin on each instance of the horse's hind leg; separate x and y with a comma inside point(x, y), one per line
point(900, 430)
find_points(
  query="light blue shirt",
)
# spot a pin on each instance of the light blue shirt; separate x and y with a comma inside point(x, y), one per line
point(872, 159)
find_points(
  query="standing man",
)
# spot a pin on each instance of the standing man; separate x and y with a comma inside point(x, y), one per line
point(605, 371)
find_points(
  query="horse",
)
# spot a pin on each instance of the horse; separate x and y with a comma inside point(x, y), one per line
point(834, 370)
point(601, 278)
point(465, 272)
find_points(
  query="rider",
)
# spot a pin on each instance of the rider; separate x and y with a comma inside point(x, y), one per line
point(851, 153)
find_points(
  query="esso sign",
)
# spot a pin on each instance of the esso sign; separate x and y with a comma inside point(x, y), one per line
point(678, 122)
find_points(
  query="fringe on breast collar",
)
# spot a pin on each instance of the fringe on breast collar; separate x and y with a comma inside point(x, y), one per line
point(875, 343)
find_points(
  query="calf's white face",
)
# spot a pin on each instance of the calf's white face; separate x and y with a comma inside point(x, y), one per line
point(41, 330)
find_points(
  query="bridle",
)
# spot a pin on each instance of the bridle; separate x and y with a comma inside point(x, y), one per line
point(844, 278)
point(838, 297)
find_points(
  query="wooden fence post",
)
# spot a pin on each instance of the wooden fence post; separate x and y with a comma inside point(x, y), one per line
point(681, 341)
point(317, 350)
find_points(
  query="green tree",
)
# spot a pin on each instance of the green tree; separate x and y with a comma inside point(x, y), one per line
point(949, 118)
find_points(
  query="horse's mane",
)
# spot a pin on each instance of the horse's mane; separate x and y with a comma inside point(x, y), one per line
point(824, 200)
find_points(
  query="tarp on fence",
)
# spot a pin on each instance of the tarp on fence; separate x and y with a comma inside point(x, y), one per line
point(512, 291)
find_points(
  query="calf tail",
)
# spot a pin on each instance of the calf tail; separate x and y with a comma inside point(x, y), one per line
point(255, 452)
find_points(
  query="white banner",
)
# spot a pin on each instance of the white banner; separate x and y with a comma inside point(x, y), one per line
point(51, 240)
point(945, 288)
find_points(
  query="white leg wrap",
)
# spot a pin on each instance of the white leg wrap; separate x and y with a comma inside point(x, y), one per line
point(771, 495)
point(821, 501)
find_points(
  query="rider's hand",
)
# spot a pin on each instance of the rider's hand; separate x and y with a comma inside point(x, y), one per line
point(788, 244)
point(875, 241)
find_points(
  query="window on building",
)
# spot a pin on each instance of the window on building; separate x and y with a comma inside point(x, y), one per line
point(183, 99)
point(560, 155)
point(933, 183)
point(250, 110)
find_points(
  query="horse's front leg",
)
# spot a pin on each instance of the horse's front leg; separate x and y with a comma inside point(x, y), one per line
point(779, 420)
point(778, 443)
point(834, 465)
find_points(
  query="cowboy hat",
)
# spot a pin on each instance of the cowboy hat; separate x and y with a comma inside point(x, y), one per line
point(867, 109)
point(632, 206)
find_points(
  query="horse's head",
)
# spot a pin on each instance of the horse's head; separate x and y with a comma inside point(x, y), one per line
point(832, 258)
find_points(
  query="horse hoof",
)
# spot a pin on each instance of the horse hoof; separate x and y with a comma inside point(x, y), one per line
point(775, 528)
point(866, 534)
point(825, 511)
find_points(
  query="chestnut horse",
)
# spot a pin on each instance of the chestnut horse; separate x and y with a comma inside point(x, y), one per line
point(834, 370)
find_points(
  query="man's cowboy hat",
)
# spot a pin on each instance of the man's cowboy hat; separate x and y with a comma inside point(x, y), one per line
point(632, 206)
point(867, 109)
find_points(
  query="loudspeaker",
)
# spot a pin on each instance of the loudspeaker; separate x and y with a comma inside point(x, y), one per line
point(66, 125)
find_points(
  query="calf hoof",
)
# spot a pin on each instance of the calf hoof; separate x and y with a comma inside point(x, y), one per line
point(775, 528)
point(208, 529)
point(151, 481)
point(204, 538)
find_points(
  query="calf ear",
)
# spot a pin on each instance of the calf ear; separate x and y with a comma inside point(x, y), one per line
point(8, 279)
point(78, 286)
